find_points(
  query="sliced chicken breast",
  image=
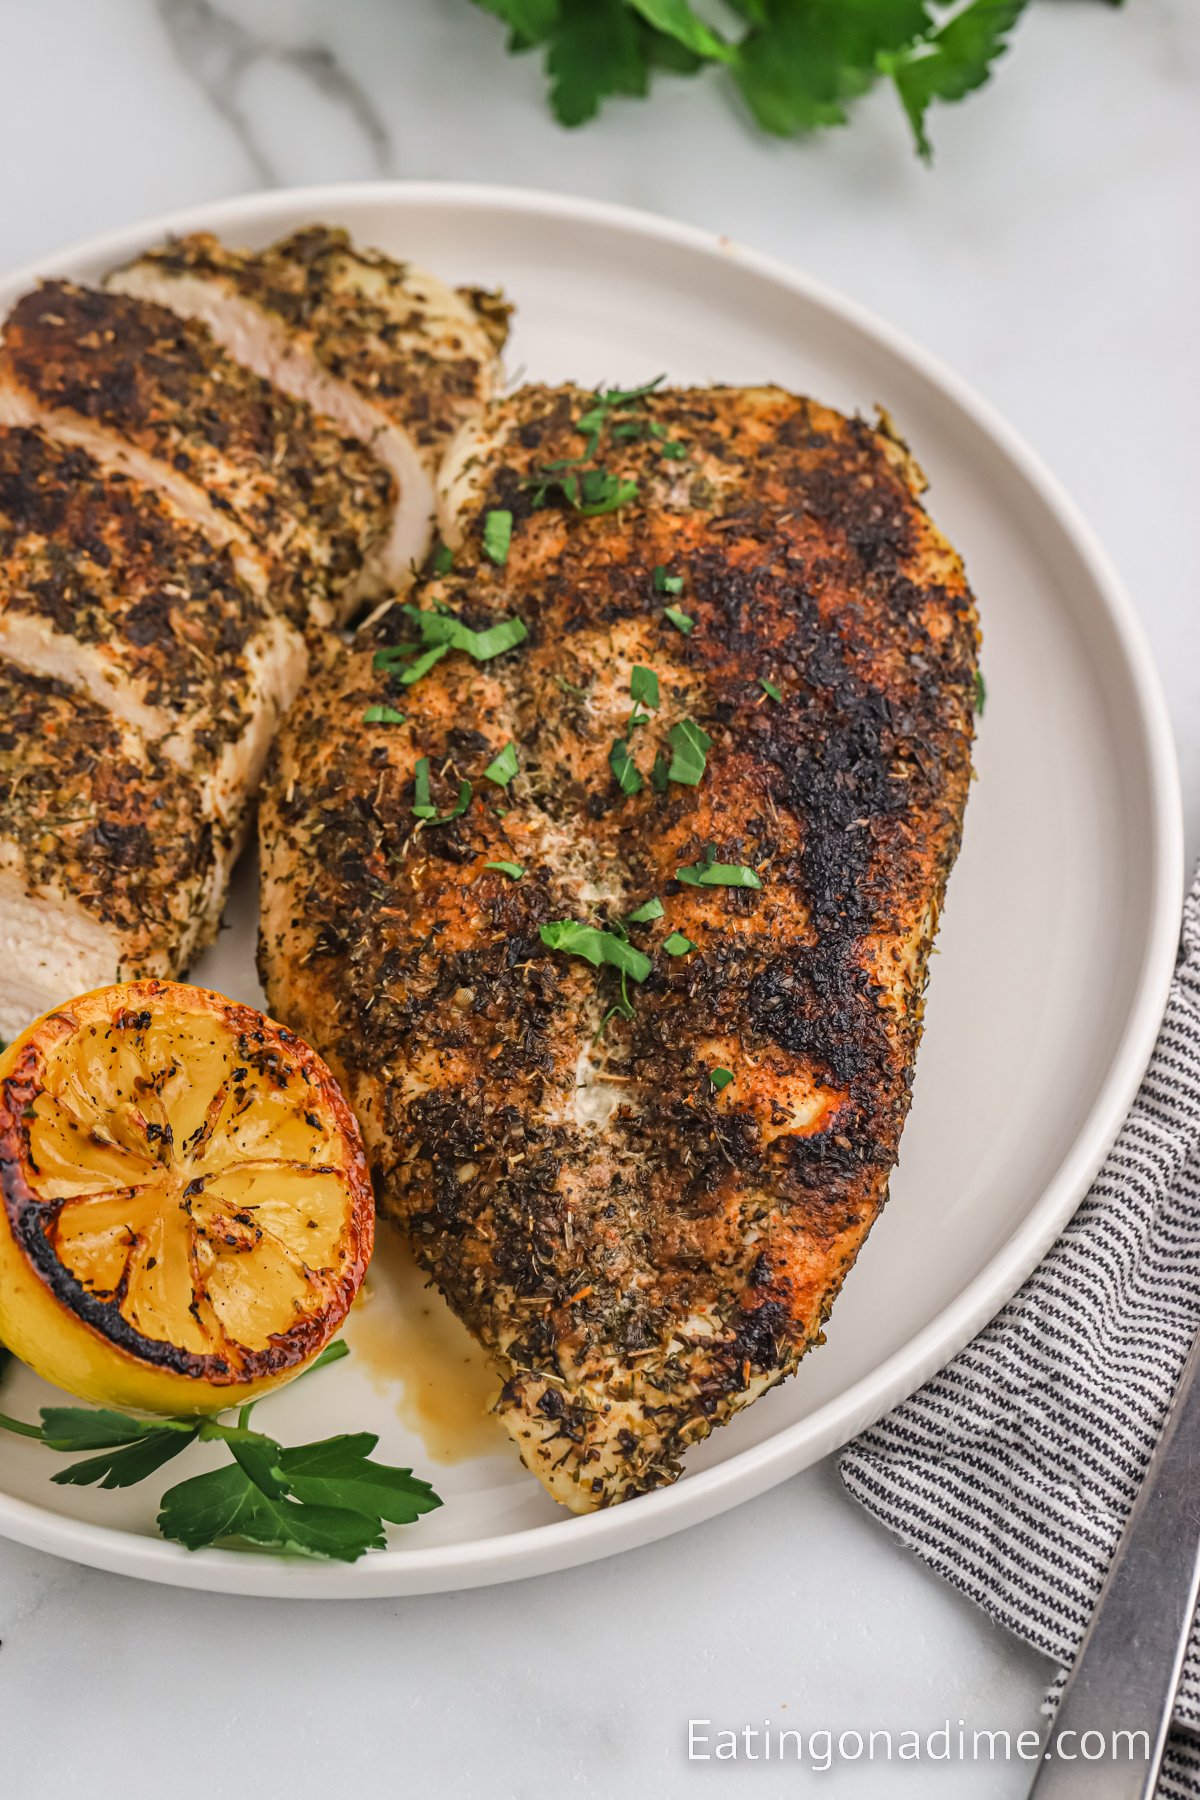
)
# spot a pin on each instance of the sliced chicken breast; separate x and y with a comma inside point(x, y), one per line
point(107, 586)
point(108, 867)
point(390, 353)
point(308, 512)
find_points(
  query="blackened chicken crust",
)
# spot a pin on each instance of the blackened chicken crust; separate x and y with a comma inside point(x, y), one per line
point(643, 1250)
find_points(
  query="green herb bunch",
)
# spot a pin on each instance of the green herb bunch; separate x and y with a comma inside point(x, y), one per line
point(326, 1499)
point(798, 64)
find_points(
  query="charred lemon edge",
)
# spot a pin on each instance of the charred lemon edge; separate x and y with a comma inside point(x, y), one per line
point(38, 1321)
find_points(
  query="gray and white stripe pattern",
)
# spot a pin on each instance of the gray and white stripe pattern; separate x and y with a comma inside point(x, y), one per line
point(1012, 1472)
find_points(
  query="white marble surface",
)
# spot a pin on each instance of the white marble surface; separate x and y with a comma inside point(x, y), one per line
point(1052, 258)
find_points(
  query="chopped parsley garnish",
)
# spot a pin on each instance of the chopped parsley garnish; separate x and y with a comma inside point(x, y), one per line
point(980, 693)
point(641, 915)
point(596, 490)
point(624, 767)
point(443, 560)
point(720, 1078)
point(383, 715)
point(591, 493)
point(416, 669)
point(770, 690)
point(596, 946)
point(440, 632)
point(322, 1499)
point(502, 768)
point(689, 747)
point(679, 619)
point(514, 871)
point(423, 807)
point(709, 873)
point(677, 945)
point(497, 535)
point(659, 773)
point(643, 686)
point(667, 584)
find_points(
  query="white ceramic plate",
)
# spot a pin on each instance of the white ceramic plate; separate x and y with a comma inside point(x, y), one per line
point(1056, 948)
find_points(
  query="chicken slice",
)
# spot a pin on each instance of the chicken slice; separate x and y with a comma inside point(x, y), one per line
point(309, 514)
point(641, 1195)
point(105, 585)
point(390, 353)
point(108, 868)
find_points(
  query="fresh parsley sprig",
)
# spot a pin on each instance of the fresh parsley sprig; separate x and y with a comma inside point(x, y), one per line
point(798, 65)
point(325, 1499)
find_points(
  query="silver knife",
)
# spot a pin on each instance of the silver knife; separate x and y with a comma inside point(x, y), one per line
point(1131, 1657)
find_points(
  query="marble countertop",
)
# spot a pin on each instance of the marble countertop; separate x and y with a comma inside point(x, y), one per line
point(1051, 257)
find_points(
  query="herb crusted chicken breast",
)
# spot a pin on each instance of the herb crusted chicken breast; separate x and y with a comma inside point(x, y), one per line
point(105, 585)
point(174, 516)
point(107, 863)
point(306, 510)
point(389, 352)
point(607, 876)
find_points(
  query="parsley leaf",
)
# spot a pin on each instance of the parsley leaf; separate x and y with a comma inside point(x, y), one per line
point(596, 946)
point(624, 768)
point(804, 59)
point(641, 915)
point(338, 1471)
point(423, 807)
point(689, 747)
point(225, 1505)
point(443, 560)
point(677, 20)
point(667, 584)
point(513, 870)
point(531, 21)
point(596, 51)
point(603, 492)
point(441, 632)
point(658, 774)
point(720, 1078)
point(677, 945)
point(955, 61)
point(643, 686)
point(444, 628)
point(980, 693)
point(132, 1448)
point(680, 620)
point(770, 690)
point(416, 669)
point(591, 493)
point(707, 873)
point(497, 535)
point(383, 715)
point(502, 768)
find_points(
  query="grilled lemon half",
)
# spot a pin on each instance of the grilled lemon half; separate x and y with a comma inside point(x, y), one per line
point(186, 1210)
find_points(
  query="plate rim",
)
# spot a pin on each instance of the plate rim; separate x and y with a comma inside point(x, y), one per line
point(569, 1541)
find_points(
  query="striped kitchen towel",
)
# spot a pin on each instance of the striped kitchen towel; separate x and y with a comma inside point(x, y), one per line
point(1013, 1471)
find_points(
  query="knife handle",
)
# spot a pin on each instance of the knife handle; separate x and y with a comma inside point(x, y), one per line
point(1129, 1663)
